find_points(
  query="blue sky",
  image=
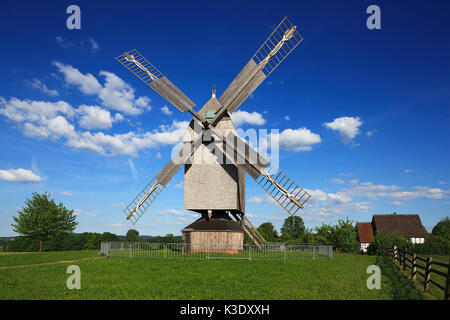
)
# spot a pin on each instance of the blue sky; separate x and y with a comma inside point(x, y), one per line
point(363, 115)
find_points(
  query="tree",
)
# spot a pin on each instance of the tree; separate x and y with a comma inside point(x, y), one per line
point(108, 236)
point(346, 236)
point(442, 230)
point(325, 235)
point(293, 228)
point(267, 230)
point(132, 235)
point(42, 219)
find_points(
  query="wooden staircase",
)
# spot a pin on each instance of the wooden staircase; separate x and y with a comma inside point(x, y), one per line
point(252, 232)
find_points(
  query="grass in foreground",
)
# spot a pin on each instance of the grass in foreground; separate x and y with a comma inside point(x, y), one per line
point(16, 258)
point(343, 277)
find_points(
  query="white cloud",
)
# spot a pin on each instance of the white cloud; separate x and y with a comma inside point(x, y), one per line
point(86, 83)
point(180, 185)
point(179, 213)
point(93, 117)
point(60, 127)
point(300, 139)
point(33, 111)
point(118, 95)
point(348, 127)
point(63, 43)
point(419, 192)
point(394, 192)
point(66, 193)
point(94, 45)
point(240, 118)
point(132, 169)
point(115, 94)
point(337, 181)
point(262, 199)
point(129, 143)
point(371, 132)
point(19, 175)
point(356, 197)
point(117, 205)
point(166, 111)
point(37, 84)
point(407, 171)
point(287, 118)
point(53, 128)
point(143, 102)
point(116, 225)
point(442, 182)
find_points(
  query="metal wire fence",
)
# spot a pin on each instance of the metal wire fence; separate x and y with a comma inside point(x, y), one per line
point(276, 251)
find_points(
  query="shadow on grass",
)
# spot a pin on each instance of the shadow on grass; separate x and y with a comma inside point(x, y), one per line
point(402, 288)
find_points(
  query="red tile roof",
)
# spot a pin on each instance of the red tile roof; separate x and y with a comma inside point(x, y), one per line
point(404, 224)
point(365, 231)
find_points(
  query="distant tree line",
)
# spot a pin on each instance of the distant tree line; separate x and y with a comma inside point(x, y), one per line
point(73, 241)
point(47, 226)
point(343, 236)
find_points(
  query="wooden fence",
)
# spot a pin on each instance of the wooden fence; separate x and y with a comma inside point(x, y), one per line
point(413, 262)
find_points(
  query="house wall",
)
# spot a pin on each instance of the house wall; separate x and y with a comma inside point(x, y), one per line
point(417, 240)
point(364, 246)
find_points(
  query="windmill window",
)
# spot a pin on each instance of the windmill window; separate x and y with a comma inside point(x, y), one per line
point(210, 114)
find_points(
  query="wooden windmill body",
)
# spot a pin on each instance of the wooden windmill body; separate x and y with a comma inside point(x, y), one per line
point(215, 158)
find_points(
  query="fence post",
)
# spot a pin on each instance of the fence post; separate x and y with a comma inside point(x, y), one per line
point(164, 251)
point(426, 282)
point(413, 267)
point(447, 284)
point(395, 253)
point(314, 256)
point(404, 260)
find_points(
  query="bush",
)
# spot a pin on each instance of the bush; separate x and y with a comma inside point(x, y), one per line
point(343, 236)
point(382, 242)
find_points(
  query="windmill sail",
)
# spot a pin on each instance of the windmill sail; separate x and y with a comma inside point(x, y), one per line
point(284, 190)
point(144, 70)
point(146, 197)
point(272, 52)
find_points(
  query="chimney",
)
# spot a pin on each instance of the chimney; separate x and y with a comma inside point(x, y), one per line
point(214, 92)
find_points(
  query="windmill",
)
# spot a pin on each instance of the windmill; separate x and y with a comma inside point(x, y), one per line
point(215, 186)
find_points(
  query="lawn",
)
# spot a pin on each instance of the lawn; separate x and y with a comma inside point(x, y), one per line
point(343, 277)
point(16, 258)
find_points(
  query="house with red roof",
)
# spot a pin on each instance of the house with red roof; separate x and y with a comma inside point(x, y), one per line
point(408, 225)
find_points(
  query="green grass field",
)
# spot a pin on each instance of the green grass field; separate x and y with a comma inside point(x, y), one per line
point(343, 277)
point(14, 259)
